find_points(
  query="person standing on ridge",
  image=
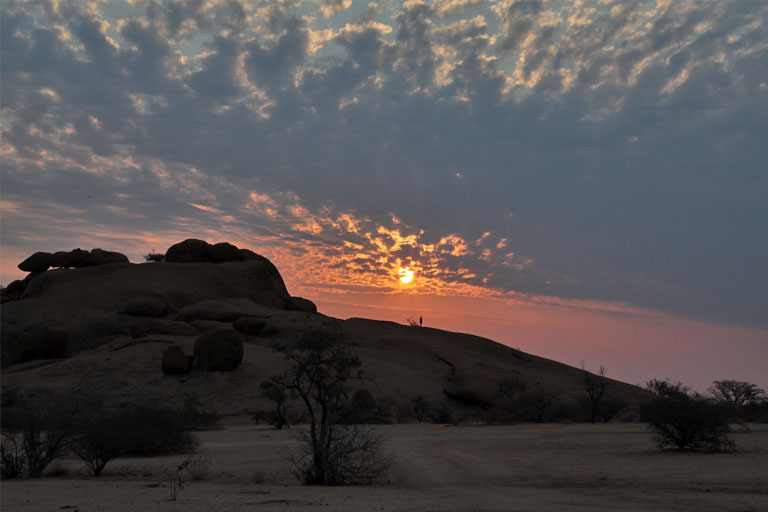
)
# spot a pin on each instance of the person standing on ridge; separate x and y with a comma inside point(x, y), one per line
point(421, 321)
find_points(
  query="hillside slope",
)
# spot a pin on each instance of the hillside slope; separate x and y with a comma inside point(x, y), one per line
point(116, 321)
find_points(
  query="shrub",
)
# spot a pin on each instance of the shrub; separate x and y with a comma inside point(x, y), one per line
point(667, 388)
point(101, 436)
point(56, 470)
point(361, 409)
point(684, 421)
point(274, 389)
point(155, 430)
point(442, 414)
point(9, 397)
point(537, 405)
point(421, 407)
point(510, 390)
point(195, 415)
point(353, 458)
point(611, 406)
point(198, 467)
point(259, 477)
point(12, 457)
point(154, 256)
point(45, 422)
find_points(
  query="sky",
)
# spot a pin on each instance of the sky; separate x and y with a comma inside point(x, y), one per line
point(585, 180)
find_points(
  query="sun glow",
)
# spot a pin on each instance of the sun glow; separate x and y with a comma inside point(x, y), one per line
point(406, 275)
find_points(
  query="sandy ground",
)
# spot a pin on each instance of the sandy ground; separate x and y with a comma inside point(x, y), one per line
point(436, 468)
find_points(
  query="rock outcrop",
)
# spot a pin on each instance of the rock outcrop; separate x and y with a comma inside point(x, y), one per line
point(193, 250)
point(145, 307)
point(40, 342)
point(16, 289)
point(249, 326)
point(219, 350)
point(189, 251)
point(218, 311)
point(200, 251)
point(223, 252)
point(300, 304)
point(96, 302)
point(175, 362)
point(102, 257)
point(38, 262)
point(78, 258)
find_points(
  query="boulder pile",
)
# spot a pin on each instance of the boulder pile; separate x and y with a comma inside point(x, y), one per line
point(216, 291)
point(200, 251)
point(41, 261)
point(76, 258)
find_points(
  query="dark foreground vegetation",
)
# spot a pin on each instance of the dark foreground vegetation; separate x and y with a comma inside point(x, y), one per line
point(681, 419)
point(332, 452)
point(39, 426)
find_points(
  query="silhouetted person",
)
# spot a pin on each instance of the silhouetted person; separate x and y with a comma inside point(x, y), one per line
point(421, 321)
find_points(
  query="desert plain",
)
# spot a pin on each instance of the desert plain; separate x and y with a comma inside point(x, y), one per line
point(525, 467)
point(108, 328)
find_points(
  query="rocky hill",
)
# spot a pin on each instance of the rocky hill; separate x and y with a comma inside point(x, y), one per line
point(130, 331)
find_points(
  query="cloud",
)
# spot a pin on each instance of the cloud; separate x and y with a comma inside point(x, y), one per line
point(332, 7)
point(612, 150)
point(445, 8)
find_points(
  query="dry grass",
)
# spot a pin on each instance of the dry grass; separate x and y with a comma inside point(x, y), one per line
point(198, 467)
point(527, 467)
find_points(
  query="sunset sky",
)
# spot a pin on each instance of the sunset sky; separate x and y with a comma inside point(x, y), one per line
point(583, 180)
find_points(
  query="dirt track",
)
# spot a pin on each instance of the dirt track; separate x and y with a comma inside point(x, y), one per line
point(436, 468)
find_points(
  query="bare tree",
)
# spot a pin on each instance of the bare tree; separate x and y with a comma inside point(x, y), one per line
point(736, 392)
point(595, 385)
point(322, 365)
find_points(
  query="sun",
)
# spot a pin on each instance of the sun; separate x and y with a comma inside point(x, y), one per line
point(406, 275)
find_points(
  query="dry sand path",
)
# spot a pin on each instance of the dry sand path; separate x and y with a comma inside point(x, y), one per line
point(436, 468)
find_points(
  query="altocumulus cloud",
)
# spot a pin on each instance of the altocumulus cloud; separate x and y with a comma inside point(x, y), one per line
point(604, 152)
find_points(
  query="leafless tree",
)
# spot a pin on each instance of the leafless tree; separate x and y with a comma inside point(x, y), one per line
point(595, 384)
point(321, 367)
